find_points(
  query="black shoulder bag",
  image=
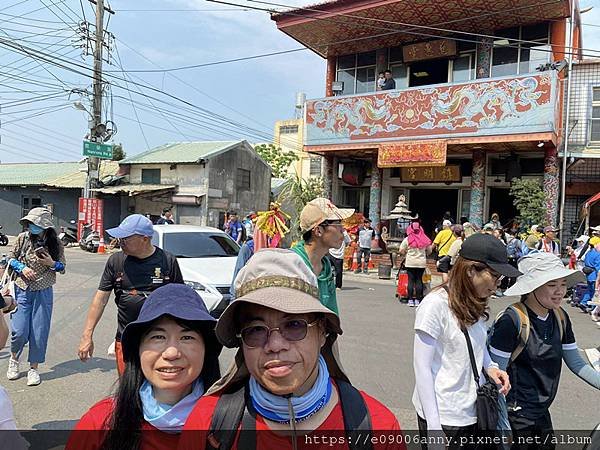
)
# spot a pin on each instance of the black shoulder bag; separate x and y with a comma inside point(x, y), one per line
point(487, 395)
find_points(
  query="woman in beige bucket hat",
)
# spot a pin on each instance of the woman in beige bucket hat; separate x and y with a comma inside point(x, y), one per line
point(35, 259)
point(285, 381)
point(530, 339)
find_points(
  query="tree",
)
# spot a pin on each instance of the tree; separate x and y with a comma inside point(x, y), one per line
point(278, 159)
point(295, 194)
point(530, 201)
point(118, 153)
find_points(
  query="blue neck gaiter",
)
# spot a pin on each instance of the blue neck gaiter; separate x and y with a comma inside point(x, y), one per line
point(275, 407)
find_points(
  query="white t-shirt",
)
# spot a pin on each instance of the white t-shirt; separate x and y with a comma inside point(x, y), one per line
point(415, 257)
point(7, 417)
point(455, 388)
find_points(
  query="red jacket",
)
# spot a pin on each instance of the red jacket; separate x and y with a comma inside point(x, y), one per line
point(382, 420)
point(96, 418)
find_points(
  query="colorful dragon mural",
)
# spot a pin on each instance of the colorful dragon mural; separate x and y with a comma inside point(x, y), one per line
point(498, 106)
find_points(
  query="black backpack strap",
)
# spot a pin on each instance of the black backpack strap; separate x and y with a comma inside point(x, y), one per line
point(357, 419)
point(228, 414)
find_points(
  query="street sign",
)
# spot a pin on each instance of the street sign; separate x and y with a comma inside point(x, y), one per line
point(104, 151)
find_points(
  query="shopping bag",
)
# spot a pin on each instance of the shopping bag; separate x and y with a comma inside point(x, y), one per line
point(402, 287)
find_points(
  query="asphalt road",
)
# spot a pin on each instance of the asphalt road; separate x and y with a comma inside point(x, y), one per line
point(376, 351)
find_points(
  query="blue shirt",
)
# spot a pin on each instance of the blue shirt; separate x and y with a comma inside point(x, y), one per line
point(592, 259)
point(235, 228)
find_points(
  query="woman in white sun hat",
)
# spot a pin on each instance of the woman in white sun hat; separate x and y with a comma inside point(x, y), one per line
point(530, 339)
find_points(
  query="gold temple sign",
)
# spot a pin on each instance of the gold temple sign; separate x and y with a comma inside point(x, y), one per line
point(445, 174)
point(430, 152)
point(429, 50)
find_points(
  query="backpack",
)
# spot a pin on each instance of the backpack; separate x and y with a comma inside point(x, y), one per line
point(524, 326)
point(235, 407)
point(513, 248)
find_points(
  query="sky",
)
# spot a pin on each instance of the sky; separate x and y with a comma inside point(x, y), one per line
point(237, 100)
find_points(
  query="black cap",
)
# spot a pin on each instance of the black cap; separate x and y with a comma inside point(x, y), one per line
point(489, 250)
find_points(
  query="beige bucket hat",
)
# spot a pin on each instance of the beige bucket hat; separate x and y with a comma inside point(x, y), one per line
point(318, 211)
point(540, 268)
point(278, 279)
point(41, 217)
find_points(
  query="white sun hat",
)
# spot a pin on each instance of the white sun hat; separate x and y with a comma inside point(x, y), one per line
point(540, 268)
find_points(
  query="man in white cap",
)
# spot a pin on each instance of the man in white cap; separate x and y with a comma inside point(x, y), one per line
point(322, 229)
point(548, 244)
point(132, 274)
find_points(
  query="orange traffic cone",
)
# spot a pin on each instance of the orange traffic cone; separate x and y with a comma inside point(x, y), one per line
point(354, 261)
point(101, 246)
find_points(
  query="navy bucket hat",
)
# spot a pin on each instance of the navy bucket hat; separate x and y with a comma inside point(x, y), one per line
point(177, 301)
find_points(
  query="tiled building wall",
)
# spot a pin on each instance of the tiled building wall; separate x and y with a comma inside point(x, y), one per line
point(573, 218)
point(585, 77)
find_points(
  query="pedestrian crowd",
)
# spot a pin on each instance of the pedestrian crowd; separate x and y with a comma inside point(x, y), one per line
point(287, 385)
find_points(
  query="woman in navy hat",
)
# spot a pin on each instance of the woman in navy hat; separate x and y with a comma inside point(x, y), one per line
point(171, 357)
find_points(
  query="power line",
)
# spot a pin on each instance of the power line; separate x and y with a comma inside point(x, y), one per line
point(16, 4)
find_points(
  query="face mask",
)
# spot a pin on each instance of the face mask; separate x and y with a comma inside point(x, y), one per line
point(34, 229)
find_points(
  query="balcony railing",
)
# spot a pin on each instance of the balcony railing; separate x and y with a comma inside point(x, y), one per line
point(485, 107)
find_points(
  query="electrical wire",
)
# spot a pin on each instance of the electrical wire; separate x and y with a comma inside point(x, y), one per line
point(16, 4)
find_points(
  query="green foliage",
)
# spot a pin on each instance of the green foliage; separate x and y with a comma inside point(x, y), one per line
point(295, 193)
point(529, 200)
point(118, 152)
point(278, 159)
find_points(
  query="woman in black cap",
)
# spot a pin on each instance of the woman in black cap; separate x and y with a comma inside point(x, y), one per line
point(171, 357)
point(445, 391)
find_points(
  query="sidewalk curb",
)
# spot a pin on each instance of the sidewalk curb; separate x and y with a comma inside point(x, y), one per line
point(372, 278)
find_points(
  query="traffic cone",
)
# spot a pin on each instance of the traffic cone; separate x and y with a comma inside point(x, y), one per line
point(101, 246)
point(354, 261)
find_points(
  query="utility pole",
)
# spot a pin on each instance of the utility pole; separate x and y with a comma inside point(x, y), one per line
point(94, 162)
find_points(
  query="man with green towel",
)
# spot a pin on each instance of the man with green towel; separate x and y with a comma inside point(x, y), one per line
point(321, 227)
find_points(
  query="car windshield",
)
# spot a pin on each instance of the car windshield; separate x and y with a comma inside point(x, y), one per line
point(199, 245)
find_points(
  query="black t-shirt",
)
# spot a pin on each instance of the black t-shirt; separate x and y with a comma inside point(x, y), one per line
point(535, 374)
point(132, 279)
point(388, 84)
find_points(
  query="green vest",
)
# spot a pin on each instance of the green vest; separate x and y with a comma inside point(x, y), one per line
point(325, 279)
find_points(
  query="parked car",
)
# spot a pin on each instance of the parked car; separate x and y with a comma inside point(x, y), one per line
point(206, 257)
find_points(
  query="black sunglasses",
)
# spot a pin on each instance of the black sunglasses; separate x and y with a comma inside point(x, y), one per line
point(291, 330)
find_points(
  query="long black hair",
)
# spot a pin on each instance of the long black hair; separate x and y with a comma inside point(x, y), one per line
point(125, 423)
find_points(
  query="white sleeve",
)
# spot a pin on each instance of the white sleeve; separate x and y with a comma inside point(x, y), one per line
point(431, 315)
point(424, 349)
point(7, 417)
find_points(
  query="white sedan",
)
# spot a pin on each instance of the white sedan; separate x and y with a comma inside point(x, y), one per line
point(206, 257)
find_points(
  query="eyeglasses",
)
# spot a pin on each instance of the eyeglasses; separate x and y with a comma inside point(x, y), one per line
point(128, 239)
point(495, 275)
point(291, 330)
point(328, 223)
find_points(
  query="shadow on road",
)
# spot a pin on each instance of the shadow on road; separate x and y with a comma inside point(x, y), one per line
point(76, 366)
point(56, 425)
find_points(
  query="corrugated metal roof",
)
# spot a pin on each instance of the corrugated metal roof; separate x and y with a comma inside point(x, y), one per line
point(76, 180)
point(181, 152)
point(134, 189)
point(35, 174)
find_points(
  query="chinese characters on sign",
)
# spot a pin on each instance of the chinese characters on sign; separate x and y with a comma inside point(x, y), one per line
point(431, 152)
point(91, 210)
point(446, 174)
point(429, 50)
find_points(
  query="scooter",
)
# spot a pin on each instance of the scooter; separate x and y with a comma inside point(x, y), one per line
point(90, 239)
point(3, 238)
point(68, 235)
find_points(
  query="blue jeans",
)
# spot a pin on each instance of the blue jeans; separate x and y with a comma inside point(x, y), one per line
point(589, 294)
point(30, 323)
